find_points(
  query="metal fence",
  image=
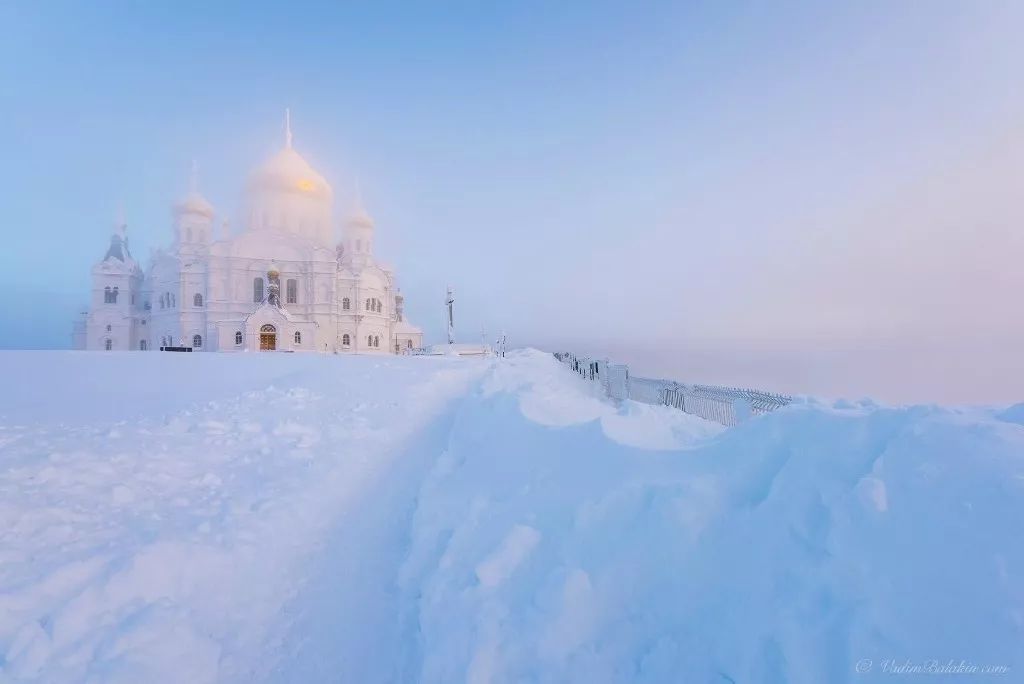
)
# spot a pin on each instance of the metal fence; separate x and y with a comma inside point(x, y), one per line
point(726, 405)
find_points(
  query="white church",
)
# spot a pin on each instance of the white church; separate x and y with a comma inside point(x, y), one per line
point(280, 284)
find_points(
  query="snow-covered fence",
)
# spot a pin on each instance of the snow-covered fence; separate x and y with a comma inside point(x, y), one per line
point(725, 405)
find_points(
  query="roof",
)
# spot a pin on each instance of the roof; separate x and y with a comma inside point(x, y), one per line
point(118, 249)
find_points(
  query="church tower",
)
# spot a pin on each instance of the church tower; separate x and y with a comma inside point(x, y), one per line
point(357, 235)
point(116, 311)
point(193, 220)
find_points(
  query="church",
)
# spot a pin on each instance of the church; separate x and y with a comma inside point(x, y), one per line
point(282, 283)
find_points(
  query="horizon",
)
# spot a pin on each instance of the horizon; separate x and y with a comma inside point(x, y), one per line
point(806, 199)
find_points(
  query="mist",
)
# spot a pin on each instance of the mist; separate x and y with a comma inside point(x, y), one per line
point(816, 200)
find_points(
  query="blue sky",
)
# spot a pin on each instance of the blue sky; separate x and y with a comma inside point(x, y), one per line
point(804, 195)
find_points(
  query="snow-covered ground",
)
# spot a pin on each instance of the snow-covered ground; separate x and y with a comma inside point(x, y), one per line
point(193, 518)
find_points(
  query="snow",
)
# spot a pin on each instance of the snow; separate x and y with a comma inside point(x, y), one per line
point(156, 532)
point(206, 517)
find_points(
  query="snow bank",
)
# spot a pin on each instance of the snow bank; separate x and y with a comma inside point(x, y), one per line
point(157, 510)
point(817, 544)
point(304, 518)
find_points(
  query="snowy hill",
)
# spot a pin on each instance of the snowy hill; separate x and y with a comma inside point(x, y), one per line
point(199, 518)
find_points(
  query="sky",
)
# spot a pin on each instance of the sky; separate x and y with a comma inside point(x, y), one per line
point(820, 198)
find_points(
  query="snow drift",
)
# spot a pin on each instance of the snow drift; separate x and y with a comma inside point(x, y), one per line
point(812, 545)
point(291, 518)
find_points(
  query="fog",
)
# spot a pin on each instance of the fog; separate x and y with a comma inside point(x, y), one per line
point(820, 200)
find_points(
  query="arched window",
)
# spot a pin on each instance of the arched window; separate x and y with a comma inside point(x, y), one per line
point(113, 295)
point(257, 290)
point(291, 291)
point(238, 337)
point(161, 301)
point(346, 304)
point(197, 300)
point(197, 340)
point(298, 337)
point(376, 341)
point(108, 344)
point(346, 340)
point(408, 344)
point(398, 348)
point(369, 340)
point(367, 304)
point(108, 327)
point(380, 306)
point(106, 295)
point(142, 345)
point(267, 328)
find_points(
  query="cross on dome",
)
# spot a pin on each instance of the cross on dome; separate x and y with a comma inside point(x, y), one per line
point(120, 223)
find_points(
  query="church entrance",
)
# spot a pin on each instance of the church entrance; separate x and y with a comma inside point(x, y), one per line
point(268, 338)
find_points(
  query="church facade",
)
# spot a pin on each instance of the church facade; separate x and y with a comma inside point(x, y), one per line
point(280, 284)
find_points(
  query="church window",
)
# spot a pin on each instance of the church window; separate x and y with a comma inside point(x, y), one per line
point(346, 340)
point(197, 300)
point(369, 340)
point(238, 337)
point(142, 345)
point(268, 328)
point(197, 341)
point(376, 341)
point(106, 295)
point(108, 344)
point(298, 337)
point(367, 304)
point(408, 344)
point(257, 290)
point(292, 291)
point(380, 306)
point(397, 347)
point(108, 327)
point(161, 301)
point(346, 304)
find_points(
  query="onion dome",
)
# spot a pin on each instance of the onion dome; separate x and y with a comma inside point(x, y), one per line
point(288, 172)
point(194, 202)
